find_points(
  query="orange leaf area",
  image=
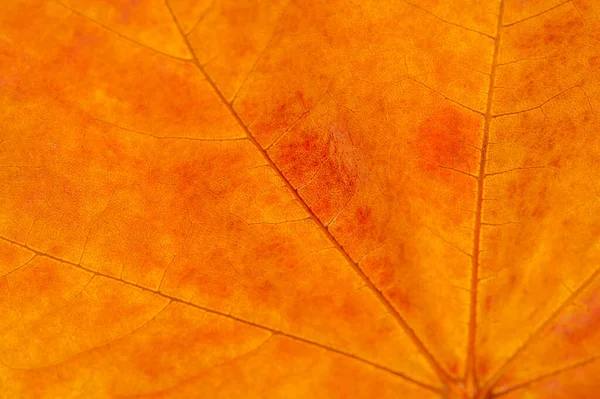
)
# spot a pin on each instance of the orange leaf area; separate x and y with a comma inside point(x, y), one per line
point(300, 199)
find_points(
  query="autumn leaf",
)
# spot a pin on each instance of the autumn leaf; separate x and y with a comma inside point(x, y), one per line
point(300, 199)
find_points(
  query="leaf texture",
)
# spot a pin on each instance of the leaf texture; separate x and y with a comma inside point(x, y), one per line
point(292, 199)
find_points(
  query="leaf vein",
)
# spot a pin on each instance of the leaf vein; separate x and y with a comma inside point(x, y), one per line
point(379, 295)
point(229, 316)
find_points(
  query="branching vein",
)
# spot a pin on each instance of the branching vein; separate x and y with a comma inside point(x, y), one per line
point(442, 374)
point(226, 315)
point(470, 373)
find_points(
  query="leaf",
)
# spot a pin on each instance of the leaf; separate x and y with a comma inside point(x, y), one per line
point(299, 199)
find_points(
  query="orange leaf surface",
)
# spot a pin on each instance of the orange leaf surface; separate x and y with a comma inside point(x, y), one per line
point(300, 199)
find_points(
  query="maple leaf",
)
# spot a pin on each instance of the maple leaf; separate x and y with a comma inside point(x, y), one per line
point(299, 199)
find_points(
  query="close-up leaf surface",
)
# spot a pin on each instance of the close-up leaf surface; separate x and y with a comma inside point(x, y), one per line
point(300, 199)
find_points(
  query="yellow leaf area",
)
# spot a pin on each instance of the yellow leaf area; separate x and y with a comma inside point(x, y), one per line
point(300, 199)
